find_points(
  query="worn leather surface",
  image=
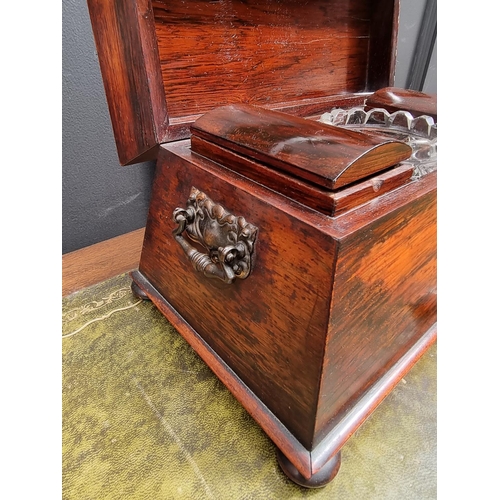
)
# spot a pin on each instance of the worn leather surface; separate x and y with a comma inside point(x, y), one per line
point(145, 418)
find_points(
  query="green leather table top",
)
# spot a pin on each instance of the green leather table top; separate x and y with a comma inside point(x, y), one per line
point(145, 418)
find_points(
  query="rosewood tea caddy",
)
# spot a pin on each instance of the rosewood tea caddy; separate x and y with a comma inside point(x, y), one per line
point(291, 236)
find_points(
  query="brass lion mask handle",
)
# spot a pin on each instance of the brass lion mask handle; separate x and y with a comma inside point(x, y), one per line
point(228, 240)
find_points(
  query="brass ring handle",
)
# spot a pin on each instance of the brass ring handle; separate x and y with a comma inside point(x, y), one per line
point(229, 240)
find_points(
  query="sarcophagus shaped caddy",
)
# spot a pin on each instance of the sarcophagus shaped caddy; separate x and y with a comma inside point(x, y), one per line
point(291, 237)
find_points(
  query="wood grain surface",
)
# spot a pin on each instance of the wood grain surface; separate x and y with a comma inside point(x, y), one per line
point(327, 156)
point(165, 63)
point(96, 263)
point(128, 56)
point(384, 298)
point(393, 99)
point(307, 346)
point(269, 327)
point(332, 304)
point(216, 53)
point(325, 201)
point(358, 412)
point(274, 428)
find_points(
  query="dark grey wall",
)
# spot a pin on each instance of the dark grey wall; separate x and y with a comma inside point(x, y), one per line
point(430, 85)
point(100, 198)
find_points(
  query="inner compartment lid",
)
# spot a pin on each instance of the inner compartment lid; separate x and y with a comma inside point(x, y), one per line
point(326, 156)
point(395, 99)
point(165, 63)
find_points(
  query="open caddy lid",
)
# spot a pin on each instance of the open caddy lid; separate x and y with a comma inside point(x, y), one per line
point(166, 63)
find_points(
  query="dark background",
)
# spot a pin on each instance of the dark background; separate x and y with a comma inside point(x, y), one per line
point(100, 198)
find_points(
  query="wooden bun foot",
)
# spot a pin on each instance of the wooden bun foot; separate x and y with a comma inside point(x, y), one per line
point(138, 292)
point(318, 480)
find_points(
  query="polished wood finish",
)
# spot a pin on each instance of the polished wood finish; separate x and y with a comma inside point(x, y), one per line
point(394, 99)
point(99, 262)
point(249, 320)
point(280, 435)
point(138, 291)
point(362, 192)
point(307, 463)
point(338, 294)
point(312, 196)
point(128, 56)
point(164, 64)
point(263, 52)
point(324, 155)
point(343, 429)
point(334, 313)
point(325, 201)
point(318, 479)
point(386, 278)
point(284, 330)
